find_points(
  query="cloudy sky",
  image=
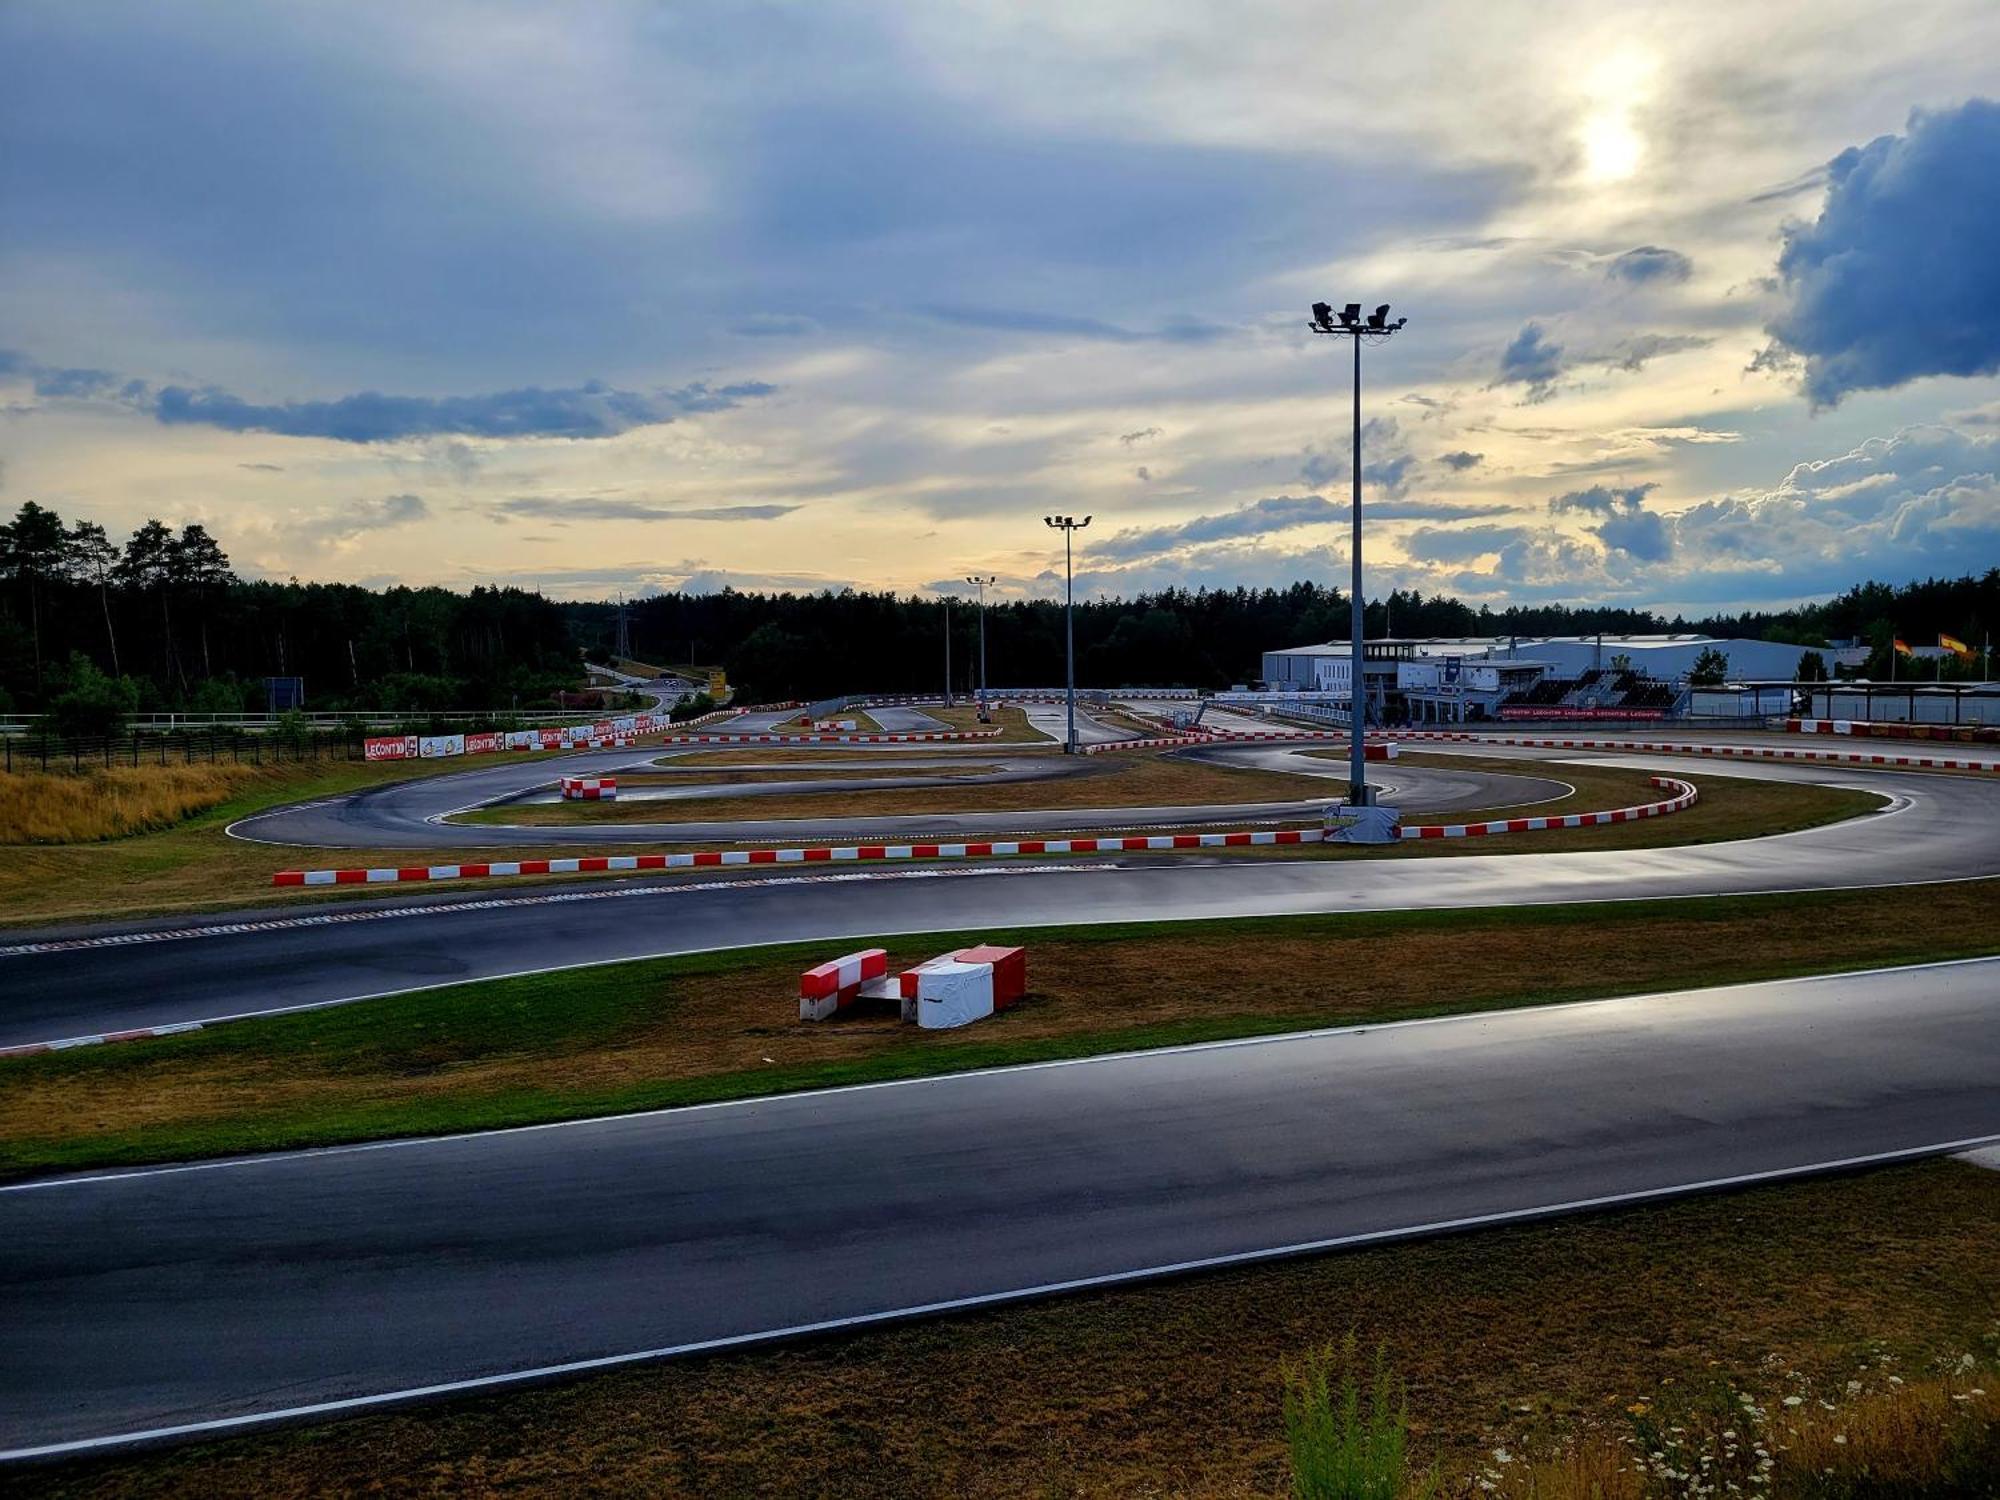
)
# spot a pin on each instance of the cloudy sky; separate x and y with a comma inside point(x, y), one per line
point(617, 297)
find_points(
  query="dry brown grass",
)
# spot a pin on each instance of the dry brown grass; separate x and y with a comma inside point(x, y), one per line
point(1532, 1340)
point(98, 803)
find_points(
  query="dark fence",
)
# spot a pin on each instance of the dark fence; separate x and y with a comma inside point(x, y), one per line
point(176, 747)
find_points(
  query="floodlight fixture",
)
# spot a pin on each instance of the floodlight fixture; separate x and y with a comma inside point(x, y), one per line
point(1376, 328)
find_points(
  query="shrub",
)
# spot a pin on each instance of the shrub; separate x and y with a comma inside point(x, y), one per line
point(91, 704)
point(1345, 1447)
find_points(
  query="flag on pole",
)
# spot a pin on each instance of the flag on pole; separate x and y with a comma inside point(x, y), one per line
point(1955, 646)
point(1902, 646)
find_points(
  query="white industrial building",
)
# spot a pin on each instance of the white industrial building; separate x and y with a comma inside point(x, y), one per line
point(1456, 678)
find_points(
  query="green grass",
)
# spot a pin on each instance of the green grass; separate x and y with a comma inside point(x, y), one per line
point(707, 1027)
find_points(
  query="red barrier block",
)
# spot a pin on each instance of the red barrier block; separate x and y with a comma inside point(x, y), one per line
point(1010, 970)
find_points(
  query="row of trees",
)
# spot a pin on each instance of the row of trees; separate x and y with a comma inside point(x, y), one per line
point(165, 616)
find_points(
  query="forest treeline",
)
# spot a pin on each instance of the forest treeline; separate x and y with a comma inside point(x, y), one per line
point(160, 620)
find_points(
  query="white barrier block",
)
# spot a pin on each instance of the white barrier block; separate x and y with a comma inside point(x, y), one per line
point(953, 994)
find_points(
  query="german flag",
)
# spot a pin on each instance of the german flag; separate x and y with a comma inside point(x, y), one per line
point(1955, 646)
point(1902, 647)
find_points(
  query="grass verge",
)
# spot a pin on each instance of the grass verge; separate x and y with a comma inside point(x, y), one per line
point(1519, 1342)
point(691, 1029)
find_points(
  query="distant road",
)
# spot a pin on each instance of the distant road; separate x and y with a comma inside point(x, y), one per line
point(162, 1299)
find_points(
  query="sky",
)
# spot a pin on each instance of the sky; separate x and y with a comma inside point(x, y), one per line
point(616, 298)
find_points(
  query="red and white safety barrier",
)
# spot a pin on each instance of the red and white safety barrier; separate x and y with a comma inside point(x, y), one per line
point(1890, 729)
point(986, 849)
point(831, 739)
point(1684, 797)
point(28, 1049)
point(589, 788)
point(831, 987)
point(1726, 752)
point(1371, 751)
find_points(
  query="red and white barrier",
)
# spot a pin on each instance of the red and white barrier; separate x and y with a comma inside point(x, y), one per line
point(1890, 729)
point(831, 739)
point(1684, 797)
point(994, 849)
point(29, 1049)
point(1369, 750)
point(589, 788)
point(1715, 751)
point(828, 988)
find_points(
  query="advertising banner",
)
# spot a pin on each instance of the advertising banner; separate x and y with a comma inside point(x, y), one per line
point(552, 739)
point(436, 746)
point(482, 744)
point(523, 739)
point(390, 747)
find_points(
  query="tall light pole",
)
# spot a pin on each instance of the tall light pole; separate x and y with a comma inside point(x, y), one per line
point(1069, 526)
point(1374, 328)
point(979, 582)
point(947, 651)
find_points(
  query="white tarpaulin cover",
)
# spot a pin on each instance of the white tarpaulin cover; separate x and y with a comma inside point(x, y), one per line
point(953, 994)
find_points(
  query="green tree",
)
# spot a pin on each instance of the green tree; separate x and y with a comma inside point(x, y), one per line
point(151, 565)
point(200, 565)
point(1709, 668)
point(92, 557)
point(89, 703)
point(1812, 668)
point(32, 553)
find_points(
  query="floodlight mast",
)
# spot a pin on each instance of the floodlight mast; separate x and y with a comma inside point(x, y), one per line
point(1069, 526)
point(979, 582)
point(1374, 328)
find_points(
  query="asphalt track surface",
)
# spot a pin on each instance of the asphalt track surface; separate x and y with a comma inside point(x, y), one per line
point(159, 1302)
point(1935, 827)
point(413, 814)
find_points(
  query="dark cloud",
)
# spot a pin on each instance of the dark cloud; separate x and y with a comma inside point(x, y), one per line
point(1895, 279)
point(1633, 353)
point(599, 508)
point(263, 468)
point(362, 516)
point(1460, 544)
point(1461, 460)
point(1275, 514)
point(1004, 320)
point(1129, 438)
point(775, 326)
point(1531, 360)
point(1259, 518)
point(1650, 265)
point(593, 410)
point(1601, 499)
point(1642, 534)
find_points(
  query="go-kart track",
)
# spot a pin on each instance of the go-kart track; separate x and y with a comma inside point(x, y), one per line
point(171, 1301)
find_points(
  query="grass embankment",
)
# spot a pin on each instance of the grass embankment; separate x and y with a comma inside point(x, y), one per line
point(701, 1027)
point(1602, 1332)
point(193, 864)
point(111, 802)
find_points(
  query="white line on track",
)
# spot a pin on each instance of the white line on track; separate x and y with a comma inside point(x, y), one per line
point(987, 1299)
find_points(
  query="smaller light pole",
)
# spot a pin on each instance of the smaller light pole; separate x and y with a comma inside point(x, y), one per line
point(979, 582)
point(1069, 526)
point(947, 651)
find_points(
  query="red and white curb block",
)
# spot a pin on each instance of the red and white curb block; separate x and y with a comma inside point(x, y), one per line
point(1725, 752)
point(1684, 797)
point(589, 788)
point(29, 1049)
point(828, 988)
point(991, 849)
point(926, 736)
